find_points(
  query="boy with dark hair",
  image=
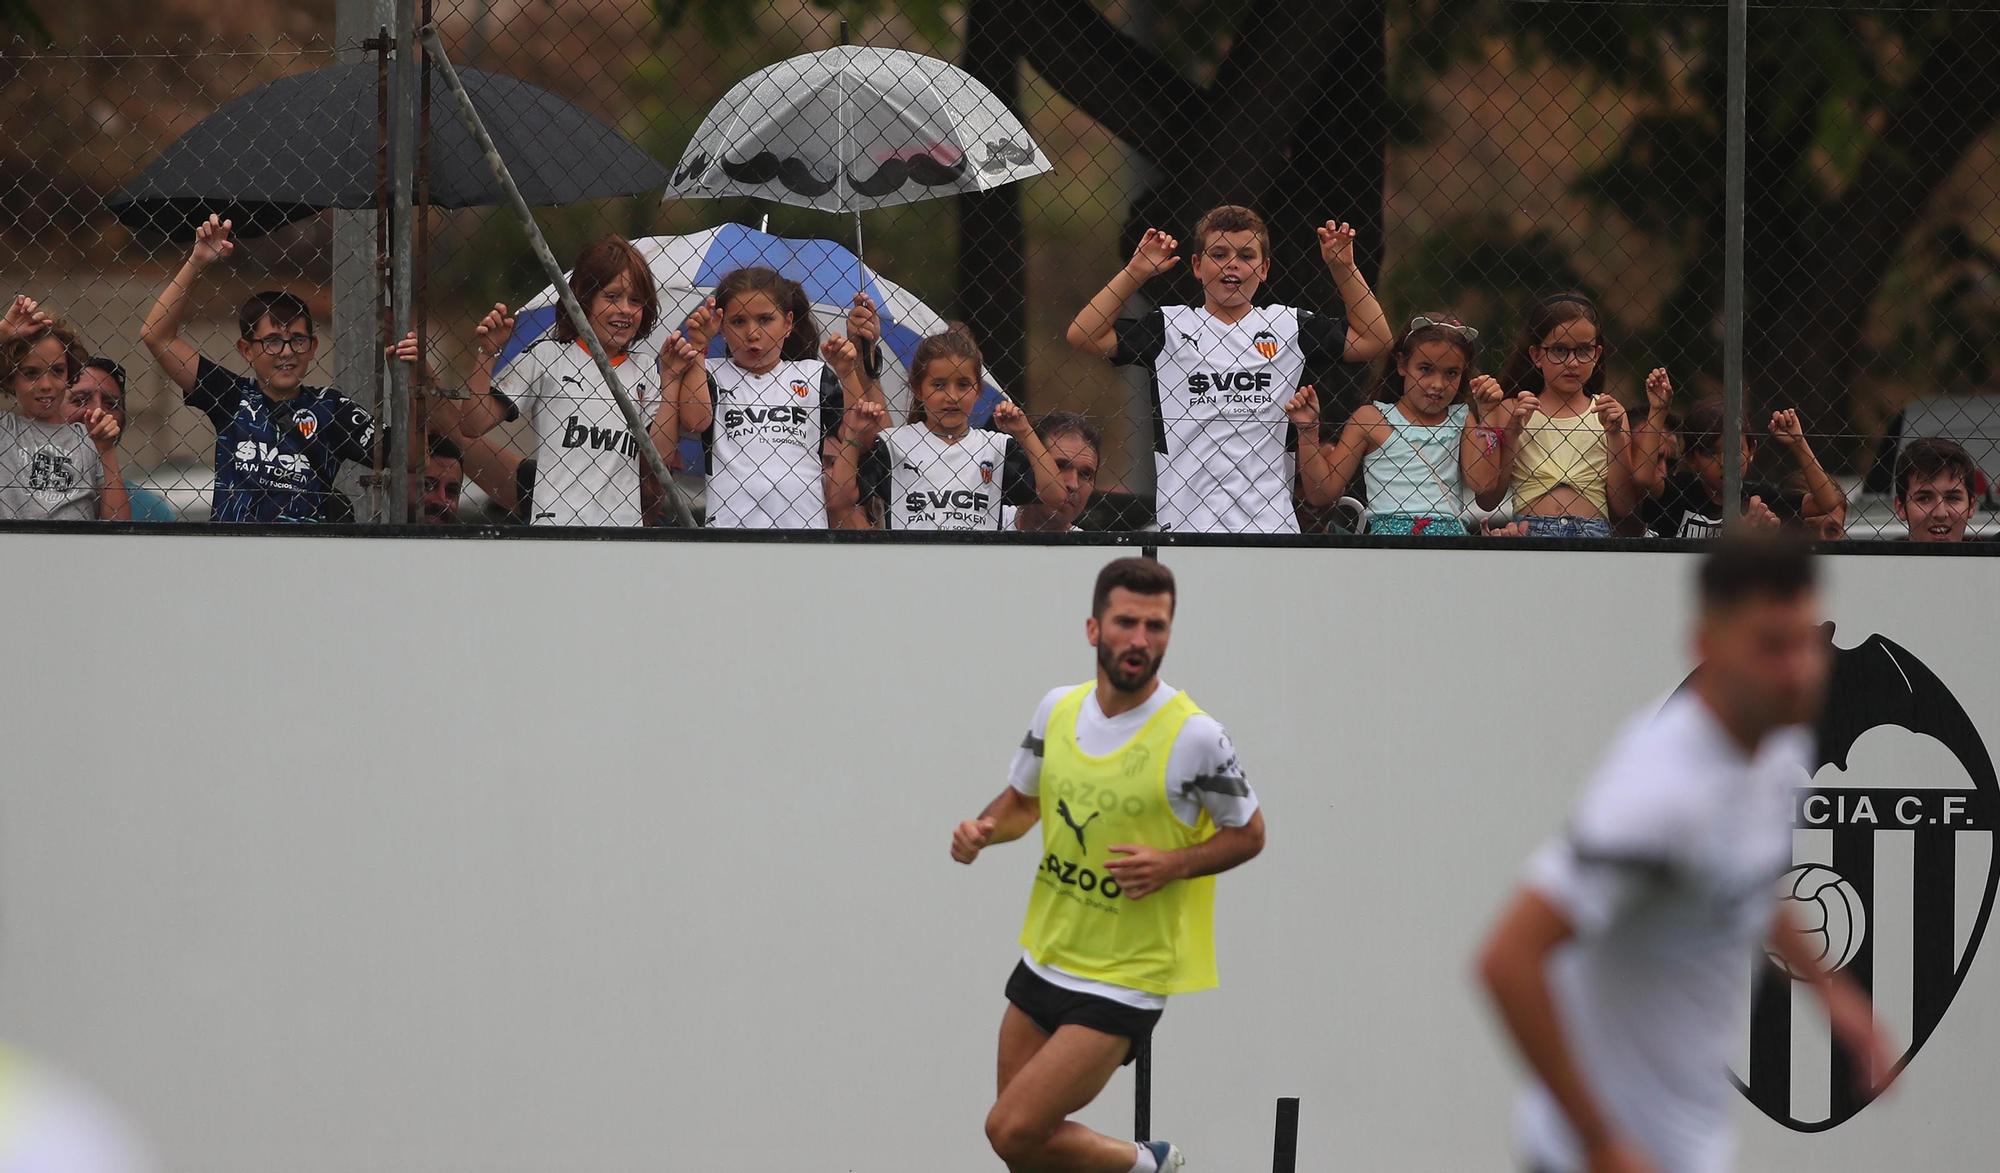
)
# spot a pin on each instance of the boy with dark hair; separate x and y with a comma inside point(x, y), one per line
point(1934, 483)
point(1233, 429)
point(1690, 505)
point(278, 442)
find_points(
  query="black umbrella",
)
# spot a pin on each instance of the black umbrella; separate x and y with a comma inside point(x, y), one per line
point(308, 142)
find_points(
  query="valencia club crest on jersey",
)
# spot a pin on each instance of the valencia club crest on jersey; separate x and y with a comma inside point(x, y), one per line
point(1266, 343)
point(986, 472)
point(800, 389)
point(305, 423)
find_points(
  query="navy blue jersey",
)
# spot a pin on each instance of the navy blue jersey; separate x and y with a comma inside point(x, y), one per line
point(276, 460)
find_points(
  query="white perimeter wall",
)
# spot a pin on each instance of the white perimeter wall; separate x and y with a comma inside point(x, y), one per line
point(451, 855)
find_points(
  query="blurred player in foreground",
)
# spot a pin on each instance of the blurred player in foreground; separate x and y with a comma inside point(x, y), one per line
point(1142, 802)
point(1622, 968)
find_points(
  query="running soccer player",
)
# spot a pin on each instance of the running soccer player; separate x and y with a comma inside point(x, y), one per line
point(1142, 802)
point(1621, 969)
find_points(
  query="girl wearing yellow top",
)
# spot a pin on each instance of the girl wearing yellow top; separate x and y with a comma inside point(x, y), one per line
point(1570, 456)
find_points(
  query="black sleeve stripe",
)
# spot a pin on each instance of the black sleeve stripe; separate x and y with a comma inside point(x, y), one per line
point(1033, 744)
point(1232, 785)
point(1657, 867)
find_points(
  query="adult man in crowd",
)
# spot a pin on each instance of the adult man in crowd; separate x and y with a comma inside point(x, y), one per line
point(102, 386)
point(1077, 449)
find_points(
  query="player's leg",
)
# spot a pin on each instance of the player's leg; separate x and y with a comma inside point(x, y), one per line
point(1020, 1038)
point(1029, 1126)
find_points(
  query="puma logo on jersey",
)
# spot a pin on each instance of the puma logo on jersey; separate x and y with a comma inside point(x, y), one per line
point(1062, 808)
point(910, 466)
point(1190, 339)
point(576, 434)
point(1266, 343)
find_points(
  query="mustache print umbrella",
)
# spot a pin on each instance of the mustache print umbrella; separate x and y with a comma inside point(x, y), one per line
point(854, 128)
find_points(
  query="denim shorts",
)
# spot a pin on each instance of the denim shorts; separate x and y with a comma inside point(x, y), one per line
point(1568, 527)
point(1406, 525)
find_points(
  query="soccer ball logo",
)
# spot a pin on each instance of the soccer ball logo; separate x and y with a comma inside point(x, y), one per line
point(1828, 910)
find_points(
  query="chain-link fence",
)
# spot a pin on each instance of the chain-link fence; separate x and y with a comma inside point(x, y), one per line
point(1538, 195)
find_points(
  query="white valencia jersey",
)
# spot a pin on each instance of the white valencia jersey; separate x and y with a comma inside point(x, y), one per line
point(1223, 456)
point(1668, 874)
point(586, 458)
point(763, 461)
point(929, 483)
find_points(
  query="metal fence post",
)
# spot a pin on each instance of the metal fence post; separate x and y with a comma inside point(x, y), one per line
point(402, 249)
point(1732, 264)
point(357, 288)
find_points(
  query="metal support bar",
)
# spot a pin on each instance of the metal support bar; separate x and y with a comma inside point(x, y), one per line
point(402, 255)
point(1732, 263)
point(519, 205)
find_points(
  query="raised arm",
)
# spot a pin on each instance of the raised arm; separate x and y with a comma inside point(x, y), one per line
point(860, 423)
point(113, 504)
point(1049, 488)
point(1622, 490)
point(162, 331)
point(1482, 453)
point(1822, 494)
point(678, 358)
point(1095, 329)
point(1004, 820)
point(1649, 438)
point(1368, 333)
point(697, 411)
point(864, 328)
point(480, 411)
point(1513, 965)
point(1324, 468)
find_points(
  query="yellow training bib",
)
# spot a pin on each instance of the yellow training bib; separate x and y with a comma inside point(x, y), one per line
point(1079, 921)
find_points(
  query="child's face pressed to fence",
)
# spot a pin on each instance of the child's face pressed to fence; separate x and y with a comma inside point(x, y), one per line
point(950, 387)
point(41, 383)
point(1230, 267)
point(279, 353)
point(1432, 374)
point(615, 312)
point(754, 329)
point(1937, 509)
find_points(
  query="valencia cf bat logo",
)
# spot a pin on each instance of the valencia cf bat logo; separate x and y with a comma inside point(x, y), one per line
point(800, 389)
point(304, 423)
point(1266, 343)
point(1894, 875)
point(986, 472)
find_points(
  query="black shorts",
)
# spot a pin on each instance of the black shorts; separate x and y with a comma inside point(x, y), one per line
point(1051, 1006)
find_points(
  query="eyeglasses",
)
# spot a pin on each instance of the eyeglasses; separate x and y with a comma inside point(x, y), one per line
point(1562, 356)
point(1463, 331)
point(279, 343)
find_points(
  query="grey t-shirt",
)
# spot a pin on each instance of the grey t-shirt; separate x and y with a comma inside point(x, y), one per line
point(48, 472)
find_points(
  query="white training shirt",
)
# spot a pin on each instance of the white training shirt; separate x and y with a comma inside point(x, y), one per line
point(1223, 456)
point(586, 459)
point(1668, 874)
point(1010, 519)
point(764, 447)
point(1203, 774)
point(929, 483)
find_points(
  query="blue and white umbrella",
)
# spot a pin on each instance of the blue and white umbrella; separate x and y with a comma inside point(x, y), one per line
point(687, 269)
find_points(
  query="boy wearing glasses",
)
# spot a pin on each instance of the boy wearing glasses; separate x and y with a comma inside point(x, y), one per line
point(278, 441)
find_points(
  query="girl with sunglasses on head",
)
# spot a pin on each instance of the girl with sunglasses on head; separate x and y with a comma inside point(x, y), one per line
point(1424, 443)
point(1571, 457)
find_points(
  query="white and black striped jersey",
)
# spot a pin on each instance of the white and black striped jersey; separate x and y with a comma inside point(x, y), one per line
point(1668, 875)
point(1223, 449)
point(764, 446)
point(926, 482)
